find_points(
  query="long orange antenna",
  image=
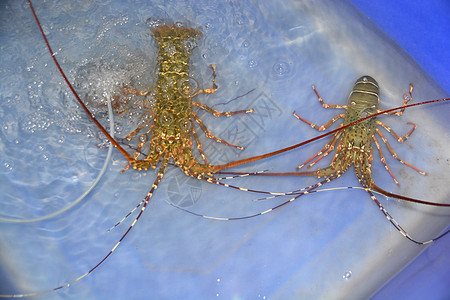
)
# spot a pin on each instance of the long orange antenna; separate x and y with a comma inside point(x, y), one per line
point(258, 157)
point(102, 129)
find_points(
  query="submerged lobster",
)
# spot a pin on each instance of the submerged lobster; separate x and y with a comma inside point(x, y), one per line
point(354, 146)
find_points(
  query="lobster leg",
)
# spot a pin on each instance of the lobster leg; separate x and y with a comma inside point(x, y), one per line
point(199, 145)
point(383, 160)
point(395, 135)
point(208, 91)
point(395, 154)
point(328, 146)
point(209, 135)
point(327, 105)
point(407, 97)
point(333, 142)
point(319, 128)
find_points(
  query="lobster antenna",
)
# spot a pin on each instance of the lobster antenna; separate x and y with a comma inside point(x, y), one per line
point(53, 55)
point(270, 154)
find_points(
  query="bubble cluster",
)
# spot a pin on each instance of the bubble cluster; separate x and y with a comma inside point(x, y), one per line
point(150, 100)
point(36, 121)
point(170, 50)
point(252, 63)
point(154, 23)
point(145, 119)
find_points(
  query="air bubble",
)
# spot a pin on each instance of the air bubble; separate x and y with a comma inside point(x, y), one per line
point(347, 275)
point(150, 99)
point(245, 44)
point(189, 45)
point(208, 26)
point(252, 63)
point(7, 166)
point(166, 119)
point(407, 97)
point(188, 87)
point(240, 19)
point(61, 139)
point(280, 69)
point(185, 125)
point(136, 176)
point(118, 128)
point(159, 148)
point(143, 138)
point(146, 119)
point(154, 23)
point(170, 50)
point(34, 122)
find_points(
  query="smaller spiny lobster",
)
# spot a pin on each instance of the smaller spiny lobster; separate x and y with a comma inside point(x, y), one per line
point(354, 146)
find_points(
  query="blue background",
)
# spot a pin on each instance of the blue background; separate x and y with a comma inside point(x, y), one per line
point(421, 29)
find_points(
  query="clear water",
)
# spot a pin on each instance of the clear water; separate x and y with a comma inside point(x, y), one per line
point(327, 245)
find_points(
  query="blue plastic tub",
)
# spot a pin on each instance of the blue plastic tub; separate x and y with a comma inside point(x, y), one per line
point(327, 245)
